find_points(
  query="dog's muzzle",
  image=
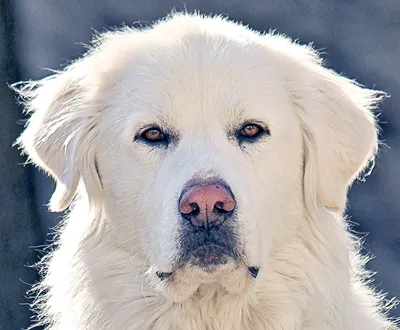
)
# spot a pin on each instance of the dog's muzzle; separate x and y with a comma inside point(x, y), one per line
point(208, 229)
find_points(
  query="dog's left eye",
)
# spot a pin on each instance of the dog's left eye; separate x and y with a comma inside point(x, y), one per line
point(251, 131)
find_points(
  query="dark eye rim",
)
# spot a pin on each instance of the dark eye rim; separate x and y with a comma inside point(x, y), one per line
point(142, 135)
point(263, 131)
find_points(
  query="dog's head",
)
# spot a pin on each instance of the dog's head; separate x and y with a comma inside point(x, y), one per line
point(201, 143)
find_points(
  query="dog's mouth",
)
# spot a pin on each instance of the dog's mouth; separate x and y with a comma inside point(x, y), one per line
point(205, 269)
point(163, 276)
point(210, 256)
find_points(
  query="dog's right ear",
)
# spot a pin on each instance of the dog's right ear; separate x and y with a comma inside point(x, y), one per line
point(60, 134)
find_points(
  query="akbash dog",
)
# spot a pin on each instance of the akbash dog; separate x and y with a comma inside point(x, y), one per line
point(207, 166)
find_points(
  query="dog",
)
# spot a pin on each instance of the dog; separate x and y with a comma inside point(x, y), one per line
point(205, 167)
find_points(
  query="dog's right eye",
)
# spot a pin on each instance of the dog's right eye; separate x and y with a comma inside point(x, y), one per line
point(153, 135)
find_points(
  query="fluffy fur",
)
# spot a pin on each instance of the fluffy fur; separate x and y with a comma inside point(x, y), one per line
point(202, 78)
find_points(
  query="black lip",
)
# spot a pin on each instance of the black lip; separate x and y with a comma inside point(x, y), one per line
point(253, 271)
point(163, 276)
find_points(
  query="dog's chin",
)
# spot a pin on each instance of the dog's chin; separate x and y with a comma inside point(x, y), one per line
point(206, 268)
point(190, 280)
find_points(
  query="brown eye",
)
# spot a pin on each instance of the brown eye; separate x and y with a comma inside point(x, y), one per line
point(153, 134)
point(251, 131)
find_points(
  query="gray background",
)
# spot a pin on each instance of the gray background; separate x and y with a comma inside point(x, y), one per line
point(358, 38)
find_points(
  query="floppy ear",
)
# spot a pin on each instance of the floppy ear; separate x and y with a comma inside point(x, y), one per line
point(340, 133)
point(60, 134)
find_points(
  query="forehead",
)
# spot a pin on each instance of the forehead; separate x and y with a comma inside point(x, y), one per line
point(202, 80)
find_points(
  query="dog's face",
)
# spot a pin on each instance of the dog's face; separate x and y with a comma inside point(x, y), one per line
point(201, 161)
point(200, 146)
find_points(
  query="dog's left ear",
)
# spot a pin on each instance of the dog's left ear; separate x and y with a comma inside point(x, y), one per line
point(339, 130)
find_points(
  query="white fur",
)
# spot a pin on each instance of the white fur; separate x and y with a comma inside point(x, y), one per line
point(202, 77)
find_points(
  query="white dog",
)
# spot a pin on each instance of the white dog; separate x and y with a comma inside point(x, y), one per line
point(211, 166)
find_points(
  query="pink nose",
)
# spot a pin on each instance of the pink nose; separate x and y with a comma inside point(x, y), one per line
point(208, 203)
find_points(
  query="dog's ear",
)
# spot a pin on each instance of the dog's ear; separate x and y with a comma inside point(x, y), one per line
point(340, 132)
point(60, 134)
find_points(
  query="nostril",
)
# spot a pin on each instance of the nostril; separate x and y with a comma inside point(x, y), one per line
point(219, 208)
point(189, 208)
point(195, 209)
point(227, 204)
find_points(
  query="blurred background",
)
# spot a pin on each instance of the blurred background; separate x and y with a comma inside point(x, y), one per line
point(358, 38)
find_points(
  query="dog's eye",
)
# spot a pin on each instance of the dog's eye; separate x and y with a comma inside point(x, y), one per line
point(153, 134)
point(251, 131)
